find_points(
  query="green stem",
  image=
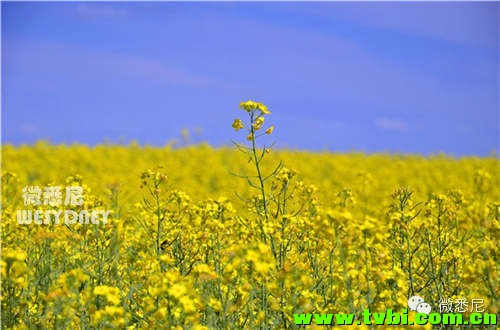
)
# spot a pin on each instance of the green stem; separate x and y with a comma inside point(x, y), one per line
point(257, 166)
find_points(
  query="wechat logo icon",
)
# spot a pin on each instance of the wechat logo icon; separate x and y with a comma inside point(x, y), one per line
point(417, 303)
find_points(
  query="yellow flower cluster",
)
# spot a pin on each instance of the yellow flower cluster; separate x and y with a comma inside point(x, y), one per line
point(256, 112)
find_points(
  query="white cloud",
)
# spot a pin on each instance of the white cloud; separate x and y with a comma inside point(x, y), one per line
point(100, 11)
point(465, 23)
point(64, 59)
point(391, 124)
point(28, 128)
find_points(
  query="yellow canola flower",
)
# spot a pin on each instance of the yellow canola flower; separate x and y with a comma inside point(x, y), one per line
point(13, 256)
point(252, 106)
point(248, 105)
point(263, 109)
point(187, 304)
point(215, 304)
point(111, 294)
point(258, 123)
point(262, 267)
point(177, 290)
point(237, 124)
point(200, 327)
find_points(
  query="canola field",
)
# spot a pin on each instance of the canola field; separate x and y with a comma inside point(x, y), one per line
point(240, 237)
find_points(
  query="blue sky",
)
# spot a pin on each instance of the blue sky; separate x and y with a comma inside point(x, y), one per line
point(372, 77)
